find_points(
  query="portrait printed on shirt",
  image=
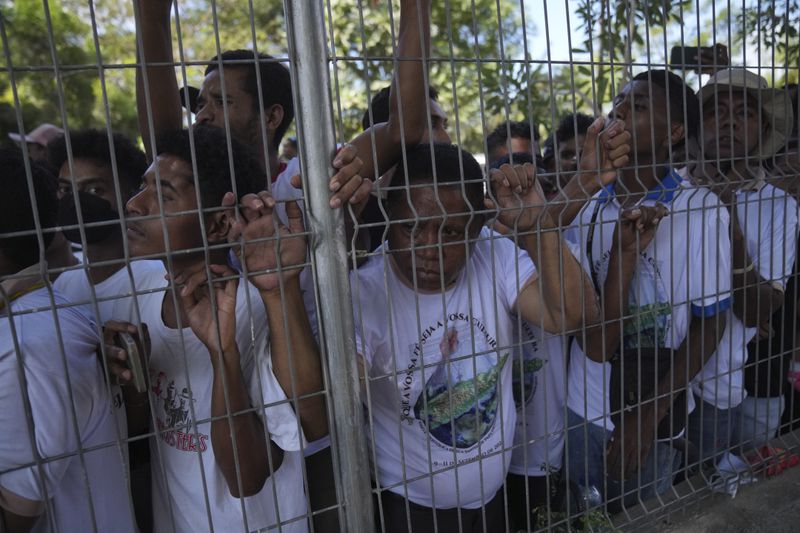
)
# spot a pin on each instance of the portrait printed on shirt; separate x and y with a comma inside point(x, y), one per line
point(459, 401)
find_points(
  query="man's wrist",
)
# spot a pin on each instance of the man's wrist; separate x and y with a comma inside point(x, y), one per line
point(588, 182)
point(227, 353)
point(275, 294)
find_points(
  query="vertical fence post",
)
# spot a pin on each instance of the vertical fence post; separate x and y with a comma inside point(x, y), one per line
point(314, 112)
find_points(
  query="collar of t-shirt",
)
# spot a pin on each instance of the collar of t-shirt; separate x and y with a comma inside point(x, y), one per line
point(663, 191)
point(757, 181)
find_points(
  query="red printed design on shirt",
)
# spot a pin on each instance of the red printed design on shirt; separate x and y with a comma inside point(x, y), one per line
point(173, 416)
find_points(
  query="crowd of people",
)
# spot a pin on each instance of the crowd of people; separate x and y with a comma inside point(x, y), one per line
point(575, 325)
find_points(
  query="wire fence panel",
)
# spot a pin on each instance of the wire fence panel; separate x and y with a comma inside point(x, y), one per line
point(395, 265)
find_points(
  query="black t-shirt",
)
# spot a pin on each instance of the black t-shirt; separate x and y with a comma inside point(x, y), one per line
point(768, 359)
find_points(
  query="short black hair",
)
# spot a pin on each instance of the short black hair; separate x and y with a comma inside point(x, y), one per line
point(515, 130)
point(380, 105)
point(679, 95)
point(276, 83)
point(93, 144)
point(16, 211)
point(569, 127)
point(517, 158)
point(449, 159)
point(214, 177)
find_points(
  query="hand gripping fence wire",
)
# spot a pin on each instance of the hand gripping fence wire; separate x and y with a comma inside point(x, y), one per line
point(315, 126)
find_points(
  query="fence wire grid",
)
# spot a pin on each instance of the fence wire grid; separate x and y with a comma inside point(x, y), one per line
point(395, 265)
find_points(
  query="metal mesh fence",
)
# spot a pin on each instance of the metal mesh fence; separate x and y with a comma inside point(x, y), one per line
point(394, 265)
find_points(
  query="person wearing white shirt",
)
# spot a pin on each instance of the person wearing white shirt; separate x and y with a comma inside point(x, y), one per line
point(434, 311)
point(89, 184)
point(743, 121)
point(226, 444)
point(676, 285)
point(534, 482)
point(61, 466)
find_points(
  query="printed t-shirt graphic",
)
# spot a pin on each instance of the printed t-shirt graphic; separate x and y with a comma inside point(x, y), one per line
point(539, 370)
point(439, 374)
point(189, 492)
point(459, 402)
point(526, 367)
point(683, 272)
point(648, 306)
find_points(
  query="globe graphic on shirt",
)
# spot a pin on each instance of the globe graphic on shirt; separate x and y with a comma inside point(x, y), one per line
point(524, 377)
point(459, 402)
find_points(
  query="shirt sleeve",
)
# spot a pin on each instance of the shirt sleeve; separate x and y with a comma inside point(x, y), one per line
point(515, 268)
point(710, 257)
point(360, 318)
point(777, 250)
point(275, 410)
point(35, 475)
point(266, 393)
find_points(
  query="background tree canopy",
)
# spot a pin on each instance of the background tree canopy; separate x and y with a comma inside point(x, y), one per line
point(493, 76)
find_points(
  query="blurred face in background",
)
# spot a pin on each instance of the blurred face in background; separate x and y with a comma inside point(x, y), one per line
point(731, 127)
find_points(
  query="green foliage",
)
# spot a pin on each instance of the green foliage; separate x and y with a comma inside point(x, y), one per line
point(777, 25)
point(616, 33)
point(492, 77)
point(593, 521)
point(461, 29)
point(26, 32)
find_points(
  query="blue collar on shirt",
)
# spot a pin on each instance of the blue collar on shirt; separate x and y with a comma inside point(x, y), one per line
point(664, 191)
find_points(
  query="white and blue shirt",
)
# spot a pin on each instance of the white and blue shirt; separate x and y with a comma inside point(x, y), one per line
point(769, 221)
point(685, 271)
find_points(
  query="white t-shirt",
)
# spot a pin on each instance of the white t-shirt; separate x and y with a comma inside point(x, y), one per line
point(539, 377)
point(115, 301)
point(416, 348)
point(188, 487)
point(684, 271)
point(83, 489)
point(768, 219)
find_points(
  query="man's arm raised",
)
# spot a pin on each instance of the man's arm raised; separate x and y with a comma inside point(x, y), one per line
point(270, 246)
point(604, 152)
point(159, 96)
point(520, 205)
point(409, 94)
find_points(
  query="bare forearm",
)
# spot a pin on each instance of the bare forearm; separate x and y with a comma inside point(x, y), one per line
point(235, 423)
point(701, 342)
point(567, 294)
point(162, 96)
point(754, 298)
point(570, 200)
point(603, 340)
point(409, 85)
point(409, 80)
point(295, 357)
point(757, 301)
